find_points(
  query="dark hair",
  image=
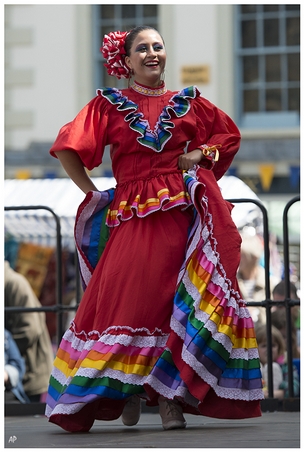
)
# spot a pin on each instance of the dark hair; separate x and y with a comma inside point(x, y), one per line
point(279, 289)
point(132, 35)
point(276, 336)
point(279, 321)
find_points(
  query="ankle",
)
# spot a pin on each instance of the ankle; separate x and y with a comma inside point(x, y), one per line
point(171, 413)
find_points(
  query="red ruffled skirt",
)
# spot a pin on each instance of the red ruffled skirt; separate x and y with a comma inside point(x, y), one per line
point(161, 314)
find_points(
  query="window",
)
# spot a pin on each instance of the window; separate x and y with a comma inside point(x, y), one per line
point(268, 62)
point(115, 17)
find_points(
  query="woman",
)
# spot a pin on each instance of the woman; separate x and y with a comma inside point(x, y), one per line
point(161, 319)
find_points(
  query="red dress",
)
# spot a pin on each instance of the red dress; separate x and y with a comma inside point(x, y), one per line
point(161, 313)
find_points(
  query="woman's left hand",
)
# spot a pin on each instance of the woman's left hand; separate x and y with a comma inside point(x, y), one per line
point(187, 161)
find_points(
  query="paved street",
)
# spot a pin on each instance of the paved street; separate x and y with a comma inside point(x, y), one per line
point(272, 430)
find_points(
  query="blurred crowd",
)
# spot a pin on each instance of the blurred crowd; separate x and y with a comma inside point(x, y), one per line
point(252, 280)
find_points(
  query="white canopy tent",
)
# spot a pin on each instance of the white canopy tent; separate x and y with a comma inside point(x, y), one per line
point(63, 197)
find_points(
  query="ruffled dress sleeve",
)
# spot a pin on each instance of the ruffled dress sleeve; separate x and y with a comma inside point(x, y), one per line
point(86, 134)
point(215, 128)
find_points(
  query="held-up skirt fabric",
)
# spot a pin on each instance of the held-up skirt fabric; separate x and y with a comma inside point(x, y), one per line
point(161, 315)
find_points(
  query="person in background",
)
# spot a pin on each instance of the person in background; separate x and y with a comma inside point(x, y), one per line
point(14, 369)
point(278, 294)
point(279, 366)
point(29, 331)
point(278, 319)
point(251, 275)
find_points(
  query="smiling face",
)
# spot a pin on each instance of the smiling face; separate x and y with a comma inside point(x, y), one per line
point(147, 58)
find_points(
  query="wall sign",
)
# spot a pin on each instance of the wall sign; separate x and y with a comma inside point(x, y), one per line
point(196, 74)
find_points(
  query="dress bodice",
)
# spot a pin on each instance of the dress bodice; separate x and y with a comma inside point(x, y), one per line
point(146, 135)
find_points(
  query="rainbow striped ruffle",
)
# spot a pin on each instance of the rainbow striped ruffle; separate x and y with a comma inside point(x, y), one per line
point(91, 232)
point(113, 365)
point(212, 329)
point(211, 345)
point(141, 198)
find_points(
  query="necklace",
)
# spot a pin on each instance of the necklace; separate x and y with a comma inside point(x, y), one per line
point(149, 91)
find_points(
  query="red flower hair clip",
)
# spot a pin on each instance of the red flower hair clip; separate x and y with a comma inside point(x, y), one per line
point(113, 50)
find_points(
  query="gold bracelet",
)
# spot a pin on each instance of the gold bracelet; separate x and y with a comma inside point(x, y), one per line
point(211, 151)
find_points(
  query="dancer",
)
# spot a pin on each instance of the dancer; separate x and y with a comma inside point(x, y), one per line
point(162, 320)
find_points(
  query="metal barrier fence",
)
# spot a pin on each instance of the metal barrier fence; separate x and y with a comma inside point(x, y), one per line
point(59, 308)
point(268, 302)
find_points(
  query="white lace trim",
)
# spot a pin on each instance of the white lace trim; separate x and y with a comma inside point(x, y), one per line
point(192, 245)
point(191, 289)
point(59, 376)
point(240, 394)
point(169, 393)
point(226, 393)
point(126, 340)
point(207, 235)
point(204, 317)
point(198, 367)
point(84, 215)
point(223, 339)
point(219, 279)
point(177, 327)
point(80, 345)
point(86, 274)
point(241, 353)
point(133, 379)
point(63, 408)
point(154, 339)
point(244, 313)
point(75, 342)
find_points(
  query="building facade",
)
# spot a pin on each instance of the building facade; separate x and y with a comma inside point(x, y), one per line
point(243, 58)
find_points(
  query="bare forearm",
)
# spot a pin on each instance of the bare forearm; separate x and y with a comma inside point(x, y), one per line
point(75, 170)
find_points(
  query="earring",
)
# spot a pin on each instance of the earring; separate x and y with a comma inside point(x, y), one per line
point(131, 73)
point(162, 77)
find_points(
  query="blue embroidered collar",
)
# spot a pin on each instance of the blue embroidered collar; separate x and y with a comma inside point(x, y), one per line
point(157, 138)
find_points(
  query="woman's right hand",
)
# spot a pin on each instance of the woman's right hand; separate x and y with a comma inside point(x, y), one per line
point(190, 159)
point(74, 168)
